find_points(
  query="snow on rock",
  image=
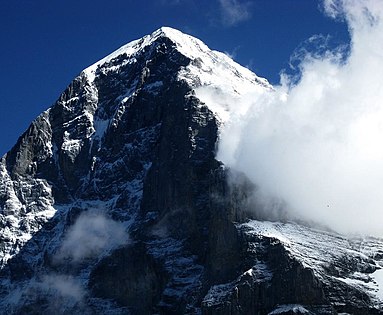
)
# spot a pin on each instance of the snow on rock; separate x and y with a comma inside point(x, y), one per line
point(223, 85)
point(71, 147)
point(322, 251)
point(21, 219)
point(227, 88)
point(378, 278)
point(292, 308)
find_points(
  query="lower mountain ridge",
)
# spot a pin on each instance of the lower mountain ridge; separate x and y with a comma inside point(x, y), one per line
point(113, 202)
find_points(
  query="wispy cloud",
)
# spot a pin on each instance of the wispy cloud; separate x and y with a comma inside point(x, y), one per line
point(62, 294)
point(63, 291)
point(234, 11)
point(63, 285)
point(232, 54)
point(91, 235)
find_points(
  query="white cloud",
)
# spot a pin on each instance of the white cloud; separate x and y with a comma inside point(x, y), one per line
point(91, 235)
point(62, 293)
point(64, 285)
point(317, 144)
point(234, 11)
point(233, 53)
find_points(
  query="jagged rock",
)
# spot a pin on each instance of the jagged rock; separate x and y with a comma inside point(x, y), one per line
point(131, 277)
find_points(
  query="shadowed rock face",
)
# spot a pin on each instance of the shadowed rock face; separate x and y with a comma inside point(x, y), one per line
point(130, 148)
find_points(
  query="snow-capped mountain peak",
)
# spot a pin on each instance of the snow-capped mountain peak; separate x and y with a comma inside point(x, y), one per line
point(113, 202)
point(215, 77)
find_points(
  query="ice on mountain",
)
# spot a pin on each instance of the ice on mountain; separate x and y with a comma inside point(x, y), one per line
point(216, 79)
point(72, 147)
point(291, 308)
point(318, 249)
point(377, 276)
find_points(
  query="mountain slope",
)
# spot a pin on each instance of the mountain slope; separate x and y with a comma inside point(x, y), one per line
point(112, 202)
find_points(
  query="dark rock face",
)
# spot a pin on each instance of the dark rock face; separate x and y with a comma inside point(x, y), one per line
point(275, 279)
point(112, 202)
point(131, 277)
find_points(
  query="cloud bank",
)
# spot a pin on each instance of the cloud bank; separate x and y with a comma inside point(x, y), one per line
point(316, 143)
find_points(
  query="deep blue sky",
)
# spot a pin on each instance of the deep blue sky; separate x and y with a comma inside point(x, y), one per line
point(46, 43)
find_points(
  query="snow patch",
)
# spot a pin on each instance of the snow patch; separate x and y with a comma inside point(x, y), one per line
point(318, 250)
point(295, 308)
point(227, 88)
point(378, 277)
point(72, 147)
point(100, 127)
point(217, 80)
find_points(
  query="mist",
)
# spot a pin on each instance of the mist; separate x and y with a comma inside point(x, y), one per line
point(315, 141)
point(91, 235)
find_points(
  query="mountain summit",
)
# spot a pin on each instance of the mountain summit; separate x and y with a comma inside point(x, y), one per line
point(113, 202)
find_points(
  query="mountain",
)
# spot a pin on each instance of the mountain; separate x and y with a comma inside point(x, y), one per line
point(113, 202)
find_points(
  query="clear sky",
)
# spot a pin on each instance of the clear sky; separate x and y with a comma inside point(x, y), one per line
point(46, 43)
